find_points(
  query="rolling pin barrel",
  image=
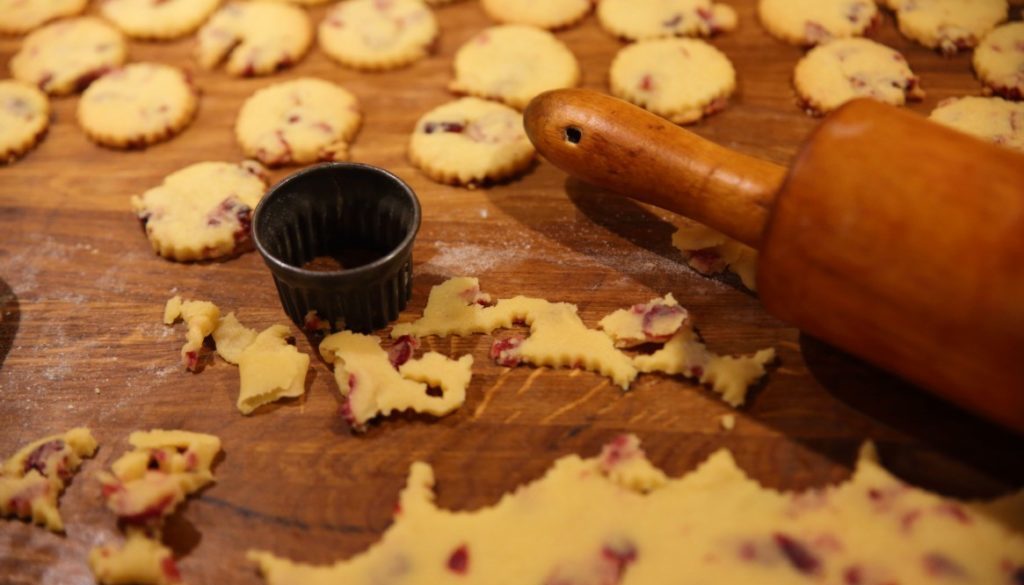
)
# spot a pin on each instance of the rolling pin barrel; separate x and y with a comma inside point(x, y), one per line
point(891, 237)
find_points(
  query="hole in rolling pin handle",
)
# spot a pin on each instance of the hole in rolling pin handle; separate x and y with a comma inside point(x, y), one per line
point(573, 135)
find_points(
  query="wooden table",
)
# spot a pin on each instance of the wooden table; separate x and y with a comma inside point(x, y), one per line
point(81, 342)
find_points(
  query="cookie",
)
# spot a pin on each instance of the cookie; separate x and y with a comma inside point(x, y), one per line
point(24, 117)
point(66, 56)
point(203, 211)
point(999, 61)
point(835, 73)
point(540, 13)
point(140, 560)
point(710, 252)
point(470, 141)
point(810, 22)
point(374, 35)
point(255, 38)
point(948, 25)
point(308, 2)
point(21, 16)
point(513, 63)
point(680, 79)
point(993, 119)
point(137, 105)
point(650, 19)
point(161, 20)
point(298, 122)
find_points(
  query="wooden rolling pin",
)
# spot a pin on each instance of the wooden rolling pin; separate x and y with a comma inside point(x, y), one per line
point(892, 237)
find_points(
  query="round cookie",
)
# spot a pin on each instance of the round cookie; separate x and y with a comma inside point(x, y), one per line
point(21, 16)
point(24, 116)
point(513, 63)
point(137, 105)
point(66, 56)
point(989, 118)
point(999, 61)
point(549, 14)
point(470, 141)
point(949, 25)
point(374, 35)
point(651, 19)
point(679, 79)
point(203, 211)
point(306, 2)
point(298, 122)
point(832, 74)
point(810, 22)
point(160, 20)
point(256, 38)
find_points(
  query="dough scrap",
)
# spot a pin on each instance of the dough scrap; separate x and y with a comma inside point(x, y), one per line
point(616, 518)
point(201, 318)
point(710, 252)
point(139, 561)
point(32, 479)
point(231, 338)
point(376, 384)
point(270, 369)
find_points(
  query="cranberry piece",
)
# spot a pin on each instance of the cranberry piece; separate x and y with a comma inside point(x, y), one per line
point(621, 448)
point(706, 260)
point(170, 569)
point(453, 127)
point(40, 456)
point(619, 557)
point(110, 489)
point(661, 322)
point(402, 350)
point(191, 360)
point(1017, 578)
point(646, 83)
point(797, 554)
point(853, 576)
point(156, 460)
point(939, 565)
point(953, 511)
point(313, 324)
point(815, 33)
point(152, 512)
point(506, 351)
point(673, 22)
point(293, 118)
point(697, 372)
point(458, 561)
point(708, 17)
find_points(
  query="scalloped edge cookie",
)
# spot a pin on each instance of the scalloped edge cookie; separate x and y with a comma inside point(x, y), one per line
point(22, 101)
point(375, 36)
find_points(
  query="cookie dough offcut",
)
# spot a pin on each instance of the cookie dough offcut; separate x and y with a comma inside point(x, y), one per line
point(682, 80)
point(469, 142)
point(298, 122)
point(650, 19)
point(24, 117)
point(20, 16)
point(999, 61)
point(810, 22)
point(993, 119)
point(255, 38)
point(513, 64)
point(374, 35)
point(66, 56)
point(832, 74)
point(550, 14)
point(949, 25)
point(161, 20)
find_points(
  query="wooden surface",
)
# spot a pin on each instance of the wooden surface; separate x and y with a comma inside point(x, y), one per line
point(81, 341)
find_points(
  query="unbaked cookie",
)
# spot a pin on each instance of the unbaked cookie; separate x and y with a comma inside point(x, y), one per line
point(835, 73)
point(710, 252)
point(256, 38)
point(513, 63)
point(682, 80)
point(21, 16)
point(160, 20)
point(810, 22)
point(298, 122)
point(470, 141)
point(949, 25)
point(993, 119)
point(137, 105)
point(374, 35)
point(66, 56)
point(999, 61)
point(24, 117)
point(649, 19)
point(203, 211)
point(549, 14)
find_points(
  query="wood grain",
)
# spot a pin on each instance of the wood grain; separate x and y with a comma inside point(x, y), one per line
point(82, 344)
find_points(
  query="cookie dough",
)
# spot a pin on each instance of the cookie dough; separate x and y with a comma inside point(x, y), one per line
point(513, 64)
point(710, 252)
point(810, 22)
point(948, 25)
point(32, 479)
point(999, 61)
point(21, 16)
point(374, 35)
point(651, 19)
point(835, 73)
point(471, 141)
point(203, 211)
point(269, 369)
point(993, 119)
point(679, 79)
point(161, 20)
point(24, 117)
point(376, 383)
point(298, 122)
point(140, 561)
point(200, 317)
point(137, 105)
point(255, 38)
point(66, 56)
point(615, 518)
point(550, 14)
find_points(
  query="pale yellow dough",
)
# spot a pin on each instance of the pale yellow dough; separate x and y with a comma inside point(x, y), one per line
point(32, 479)
point(158, 20)
point(66, 56)
point(513, 63)
point(948, 25)
point(139, 561)
point(710, 252)
point(375, 35)
point(200, 318)
point(21, 16)
point(615, 518)
point(270, 369)
point(679, 79)
point(550, 14)
point(810, 22)
point(254, 38)
point(24, 117)
point(650, 19)
point(993, 119)
point(373, 386)
point(999, 61)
